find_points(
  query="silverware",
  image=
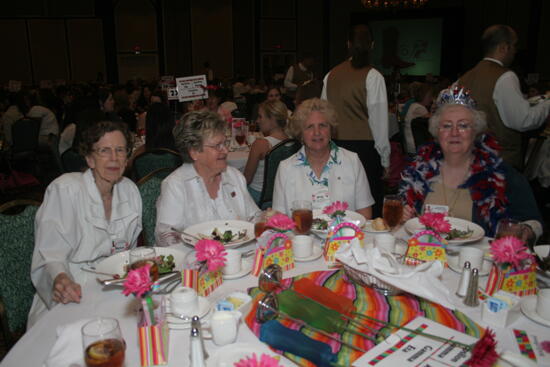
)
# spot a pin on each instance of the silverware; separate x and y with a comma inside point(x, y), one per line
point(162, 278)
point(186, 236)
point(92, 270)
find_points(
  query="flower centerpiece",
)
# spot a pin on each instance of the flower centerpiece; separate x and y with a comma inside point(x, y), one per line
point(429, 244)
point(435, 222)
point(274, 245)
point(138, 282)
point(336, 209)
point(514, 268)
point(280, 223)
point(210, 255)
point(265, 360)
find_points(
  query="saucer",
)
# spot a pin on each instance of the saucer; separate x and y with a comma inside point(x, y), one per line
point(204, 308)
point(315, 254)
point(453, 265)
point(529, 307)
point(246, 267)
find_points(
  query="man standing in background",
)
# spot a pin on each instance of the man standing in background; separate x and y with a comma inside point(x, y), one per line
point(496, 90)
point(358, 92)
point(298, 74)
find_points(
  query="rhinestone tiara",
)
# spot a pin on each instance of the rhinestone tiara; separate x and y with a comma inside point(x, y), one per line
point(456, 94)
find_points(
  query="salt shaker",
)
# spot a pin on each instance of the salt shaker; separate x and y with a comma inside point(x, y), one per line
point(196, 354)
point(196, 323)
point(464, 280)
point(471, 298)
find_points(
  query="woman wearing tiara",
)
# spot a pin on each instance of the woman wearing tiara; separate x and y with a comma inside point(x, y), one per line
point(462, 174)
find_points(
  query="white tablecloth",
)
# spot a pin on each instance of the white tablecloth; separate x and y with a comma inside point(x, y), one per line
point(34, 347)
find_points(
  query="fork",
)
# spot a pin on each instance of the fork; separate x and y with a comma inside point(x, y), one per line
point(169, 286)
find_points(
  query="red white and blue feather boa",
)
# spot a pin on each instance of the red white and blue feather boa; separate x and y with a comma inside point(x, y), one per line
point(486, 183)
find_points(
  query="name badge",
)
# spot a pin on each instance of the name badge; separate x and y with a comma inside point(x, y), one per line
point(320, 198)
point(432, 208)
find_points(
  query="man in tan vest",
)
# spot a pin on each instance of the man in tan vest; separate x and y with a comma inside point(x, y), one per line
point(497, 92)
point(298, 74)
point(358, 92)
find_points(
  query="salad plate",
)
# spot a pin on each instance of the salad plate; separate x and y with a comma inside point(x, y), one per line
point(232, 233)
point(117, 263)
point(467, 231)
point(321, 221)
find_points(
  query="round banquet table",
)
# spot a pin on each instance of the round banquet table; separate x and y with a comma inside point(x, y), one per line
point(35, 345)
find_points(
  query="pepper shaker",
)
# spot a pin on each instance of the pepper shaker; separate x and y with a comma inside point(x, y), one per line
point(471, 298)
point(196, 323)
point(196, 352)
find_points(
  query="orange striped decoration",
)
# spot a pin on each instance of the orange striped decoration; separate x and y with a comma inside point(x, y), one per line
point(518, 282)
point(281, 255)
point(204, 282)
point(258, 261)
point(153, 344)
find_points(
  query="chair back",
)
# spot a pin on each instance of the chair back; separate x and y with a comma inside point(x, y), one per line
point(16, 247)
point(149, 188)
point(152, 160)
point(24, 135)
point(420, 130)
point(73, 161)
point(278, 153)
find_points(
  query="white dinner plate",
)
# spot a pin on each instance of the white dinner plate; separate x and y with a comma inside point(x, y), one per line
point(350, 216)
point(315, 254)
point(117, 263)
point(204, 230)
point(228, 355)
point(246, 267)
point(455, 266)
point(529, 309)
point(413, 225)
point(204, 309)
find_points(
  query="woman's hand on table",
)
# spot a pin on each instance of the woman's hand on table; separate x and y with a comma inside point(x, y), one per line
point(65, 290)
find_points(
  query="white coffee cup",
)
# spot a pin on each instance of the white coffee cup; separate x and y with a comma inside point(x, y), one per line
point(232, 262)
point(224, 325)
point(384, 242)
point(302, 246)
point(543, 303)
point(184, 301)
point(473, 255)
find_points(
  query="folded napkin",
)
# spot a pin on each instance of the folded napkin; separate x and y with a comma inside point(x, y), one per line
point(422, 280)
point(67, 350)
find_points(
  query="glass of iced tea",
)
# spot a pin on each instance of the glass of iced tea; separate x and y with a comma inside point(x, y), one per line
point(259, 220)
point(302, 215)
point(393, 210)
point(509, 227)
point(103, 343)
point(141, 256)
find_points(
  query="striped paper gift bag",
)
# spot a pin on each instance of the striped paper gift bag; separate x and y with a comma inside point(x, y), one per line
point(277, 250)
point(154, 339)
point(519, 282)
point(203, 281)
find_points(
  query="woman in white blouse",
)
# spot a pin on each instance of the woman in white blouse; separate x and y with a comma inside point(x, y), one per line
point(84, 217)
point(320, 171)
point(204, 188)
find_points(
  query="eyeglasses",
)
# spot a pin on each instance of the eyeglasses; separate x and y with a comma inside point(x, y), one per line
point(107, 152)
point(460, 126)
point(219, 147)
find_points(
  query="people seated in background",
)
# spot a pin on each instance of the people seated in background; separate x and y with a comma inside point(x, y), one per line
point(461, 173)
point(320, 171)
point(27, 105)
point(159, 122)
point(204, 188)
point(423, 98)
point(84, 217)
point(272, 118)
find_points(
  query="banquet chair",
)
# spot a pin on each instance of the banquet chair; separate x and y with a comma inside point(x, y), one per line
point(24, 147)
point(421, 133)
point(149, 188)
point(16, 247)
point(151, 160)
point(278, 153)
point(73, 161)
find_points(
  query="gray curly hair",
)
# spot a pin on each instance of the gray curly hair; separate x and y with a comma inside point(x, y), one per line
point(194, 128)
point(303, 112)
point(478, 117)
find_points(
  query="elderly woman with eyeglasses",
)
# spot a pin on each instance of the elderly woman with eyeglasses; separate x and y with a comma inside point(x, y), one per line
point(204, 188)
point(462, 174)
point(84, 217)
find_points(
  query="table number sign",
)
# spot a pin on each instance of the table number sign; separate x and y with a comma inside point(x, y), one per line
point(172, 94)
point(191, 88)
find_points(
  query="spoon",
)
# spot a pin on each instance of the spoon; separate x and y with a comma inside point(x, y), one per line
point(92, 270)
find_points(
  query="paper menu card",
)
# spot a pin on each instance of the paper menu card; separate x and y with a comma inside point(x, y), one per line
point(534, 347)
point(405, 348)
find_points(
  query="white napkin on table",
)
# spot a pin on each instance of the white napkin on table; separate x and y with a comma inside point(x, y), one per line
point(422, 280)
point(67, 350)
